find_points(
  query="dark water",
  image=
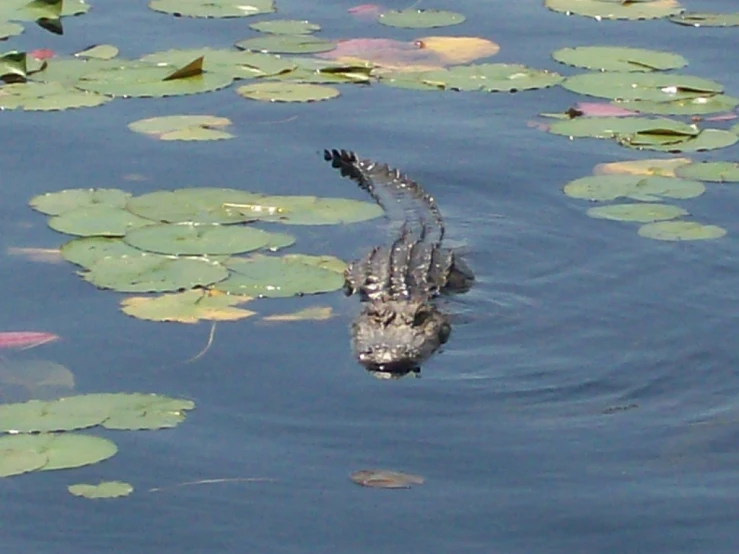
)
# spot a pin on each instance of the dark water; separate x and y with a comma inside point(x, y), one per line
point(586, 403)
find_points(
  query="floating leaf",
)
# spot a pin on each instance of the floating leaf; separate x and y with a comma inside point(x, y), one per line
point(87, 251)
point(99, 52)
point(612, 58)
point(719, 172)
point(653, 166)
point(659, 87)
point(708, 139)
point(189, 306)
point(698, 105)
point(16, 461)
point(63, 451)
point(183, 127)
point(641, 212)
point(31, 10)
point(154, 273)
point(491, 77)
point(237, 64)
point(25, 339)
point(287, 92)
point(33, 96)
point(385, 479)
point(286, 27)
point(55, 203)
point(681, 230)
point(56, 415)
point(314, 313)
point(290, 275)
point(213, 8)
point(145, 411)
point(420, 19)
point(612, 127)
point(23, 380)
point(104, 489)
point(636, 187)
point(304, 210)
point(97, 221)
point(608, 9)
point(457, 50)
point(196, 205)
point(286, 44)
point(706, 19)
point(409, 80)
point(311, 70)
point(8, 29)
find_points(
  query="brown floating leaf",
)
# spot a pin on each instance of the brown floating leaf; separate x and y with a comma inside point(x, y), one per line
point(315, 313)
point(385, 479)
point(192, 69)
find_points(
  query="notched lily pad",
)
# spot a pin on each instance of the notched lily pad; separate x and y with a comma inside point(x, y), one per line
point(636, 187)
point(287, 92)
point(719, 172)
point(101, 221)
point(187, 307)
point(681, 230)
point(87, 251)
point(707, 139)
point(659, 87)
point(61, 451)
point(236, 63)
point(55, 203)
point(491, 77)
point(32, 96)
point(614, 58)
point(287, 44)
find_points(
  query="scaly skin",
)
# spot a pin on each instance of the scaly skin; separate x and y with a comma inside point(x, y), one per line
point(399, 327)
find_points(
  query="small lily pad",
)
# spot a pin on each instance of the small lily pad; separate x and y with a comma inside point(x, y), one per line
point(188, 306)
point(642, 212)
point(613, 58)
point(706, 19)
point(385, 479)
point(104, 489)
point(87, 251)
point(719, 172)
point(491, 77)
point(102, 221)
point(286, 27)
point(287, 92)
point(707, 139)
point(62, 451)
point(154, 273)
point(420, 19)
point(55, 203)
point(183, 127)
point(658, 87)
point(608, 9)
point(681, 230)
point(32, 96)
point(287, 44)
point(636, 187)
point(213, 8)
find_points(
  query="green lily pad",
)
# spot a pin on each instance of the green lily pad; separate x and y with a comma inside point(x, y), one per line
point(213, 8)
point(681, 230)
point(420, 19)
point(735, 129)
point(62, 451)
point(19, 461)
point(612, 127)
point(101, 221)
point(613, 58)
point(104, 489)
point(32, 96)
point(99, 52)
point(238, 64)
point(25, 10)
point(607, 9)
point(491, 77)
point(305, 210)
point(267, 276)
point(286, 27)
point(87, 251)
point(706, 19)
point(183, 127)
point(67, 71)
point(317, 71)
point(287, 92)
point(154, 273)
point(642, 212)
point(8, 29)
point(57, 415)
point(412, 80)
point(189, 306)
point(192, 239)
point(55, 203)
point(636, 187)
point(287, 44)
point(153, 81)
point(194, 205)
point(719, 172)
point(659, 87)
point(146, 411)
point(708, 139)
point(698, 105)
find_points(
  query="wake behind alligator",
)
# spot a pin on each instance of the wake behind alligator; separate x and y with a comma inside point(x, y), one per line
point(399, 325)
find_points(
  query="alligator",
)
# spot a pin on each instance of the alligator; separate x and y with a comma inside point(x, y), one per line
point(399, 325)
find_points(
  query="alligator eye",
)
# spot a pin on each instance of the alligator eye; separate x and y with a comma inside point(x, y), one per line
point(420, 318)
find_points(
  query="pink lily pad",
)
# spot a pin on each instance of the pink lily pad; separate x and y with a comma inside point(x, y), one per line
point(25, 339)
point(603, 109)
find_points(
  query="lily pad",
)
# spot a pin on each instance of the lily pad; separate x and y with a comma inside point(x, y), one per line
point(698, 105)
point(190, 239)
point(267, 276)
point(642, 212)
point(664, 167)
point(614, 58)
point(189, 306)
point(681, 230)
point(56, 415)
point(99, 52)
point(287, 92)
point(659, 87)
point(145, 411)
point(153, 81)
point(102, 221)
point(183, 127)
point(706, 19)
point(719, 172)
point(420, 19)
point(8, 29)
point(608, 9)
point(195, 205)
point(16, 461)
point(55, 203)
point(62, 451)
point(304, 210)
point(310, 70)
point(213, 8)
point(154, 273)
point(32, 96)
point(612, 127)
point(636, 187)
point(385, 479)
point(104, 489)
point(491, 77)
point(287, 44)
point(25, 10)
point(87, 251)
point(286, 27)
point(708, 139)
point(238, 64)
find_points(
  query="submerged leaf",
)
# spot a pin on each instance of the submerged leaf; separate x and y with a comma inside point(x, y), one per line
point(104, 489)
point(385, 479)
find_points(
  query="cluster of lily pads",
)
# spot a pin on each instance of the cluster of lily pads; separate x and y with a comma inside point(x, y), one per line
point(642, 9)
point(192, 242)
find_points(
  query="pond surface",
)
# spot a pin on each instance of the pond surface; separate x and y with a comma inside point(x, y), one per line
point(585, 403)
